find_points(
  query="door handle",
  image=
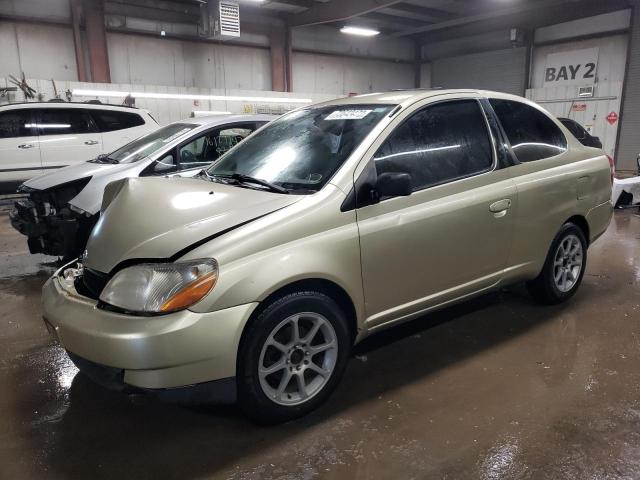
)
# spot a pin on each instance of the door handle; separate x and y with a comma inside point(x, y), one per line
point(91, 142)
point(26, 145)
point(500, 205)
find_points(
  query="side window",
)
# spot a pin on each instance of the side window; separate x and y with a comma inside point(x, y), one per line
point(438, 144)
point(63, 121)
point(16, 123)
point(162, 166)
point(574, 128)
point(533, 135)
point(212, 145)
point(111, 120)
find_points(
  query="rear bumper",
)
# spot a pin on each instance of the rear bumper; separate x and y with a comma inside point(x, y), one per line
point(167, 351)
point(598, 219)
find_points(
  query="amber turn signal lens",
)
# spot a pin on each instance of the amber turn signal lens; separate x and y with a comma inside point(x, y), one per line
point(190, 294)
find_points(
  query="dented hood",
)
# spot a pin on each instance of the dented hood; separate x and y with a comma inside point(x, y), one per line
point(155, 218)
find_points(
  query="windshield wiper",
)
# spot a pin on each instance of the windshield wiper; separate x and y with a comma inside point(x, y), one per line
point(241, 178)
point(104, 158)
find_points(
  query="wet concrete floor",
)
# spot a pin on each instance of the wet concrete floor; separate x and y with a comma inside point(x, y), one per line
point(495, 388)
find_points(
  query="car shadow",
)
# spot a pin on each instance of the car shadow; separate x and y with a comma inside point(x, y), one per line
point(95, 433)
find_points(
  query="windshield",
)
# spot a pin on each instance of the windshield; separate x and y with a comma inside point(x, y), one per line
point(301, 151)
point(150, 143)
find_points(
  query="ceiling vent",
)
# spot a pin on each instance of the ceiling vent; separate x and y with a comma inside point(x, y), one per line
point(219, 19)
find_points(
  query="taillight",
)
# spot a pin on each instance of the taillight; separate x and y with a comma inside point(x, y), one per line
point(612, 166)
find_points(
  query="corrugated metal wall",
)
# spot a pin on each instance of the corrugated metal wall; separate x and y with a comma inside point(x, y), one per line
point(501, 70)
point(629, 141)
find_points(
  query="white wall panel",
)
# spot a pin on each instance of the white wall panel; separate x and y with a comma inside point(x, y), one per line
point(612, 58)
point(501, 70)
point(39, 51)
point(148, 60)
point(334, 75)
point(171, 110)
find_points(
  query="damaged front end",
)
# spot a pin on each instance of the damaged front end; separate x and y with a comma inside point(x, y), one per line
point(52, 225)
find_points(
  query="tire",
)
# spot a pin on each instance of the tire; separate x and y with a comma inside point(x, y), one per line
point(269, 345)
point(559, 279)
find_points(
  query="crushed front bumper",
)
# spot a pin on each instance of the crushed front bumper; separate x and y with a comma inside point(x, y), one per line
point(160, 352)
point(52, 233)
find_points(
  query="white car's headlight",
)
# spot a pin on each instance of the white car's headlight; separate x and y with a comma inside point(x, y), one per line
point(161, 287)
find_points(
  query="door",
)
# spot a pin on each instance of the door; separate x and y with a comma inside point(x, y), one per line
point(67, 136)
point(19, 148)
point(451, 236)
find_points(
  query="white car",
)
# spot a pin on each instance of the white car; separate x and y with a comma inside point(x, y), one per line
point(64, 205)
point(36, 137)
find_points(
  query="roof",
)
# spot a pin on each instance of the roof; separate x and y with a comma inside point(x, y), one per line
point(408, 97)
point(223, 119)
point(92, 105)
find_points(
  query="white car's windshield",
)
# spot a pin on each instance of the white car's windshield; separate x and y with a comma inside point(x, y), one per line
point(301, 151)
point(150, 143)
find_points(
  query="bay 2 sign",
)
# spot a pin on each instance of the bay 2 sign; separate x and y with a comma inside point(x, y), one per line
point(577, 67)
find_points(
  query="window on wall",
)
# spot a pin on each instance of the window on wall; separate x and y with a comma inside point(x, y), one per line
point(532, 134)
point(16, 123)
point(438, 144)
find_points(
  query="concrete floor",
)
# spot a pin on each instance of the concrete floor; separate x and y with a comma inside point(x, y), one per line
point(496, 388)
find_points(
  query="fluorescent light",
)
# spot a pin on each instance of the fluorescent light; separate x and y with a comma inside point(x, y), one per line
point(184, 96)
point(206, 113)
point(363, 32)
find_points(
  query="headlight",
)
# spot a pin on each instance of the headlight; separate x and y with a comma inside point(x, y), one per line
point(161, 287)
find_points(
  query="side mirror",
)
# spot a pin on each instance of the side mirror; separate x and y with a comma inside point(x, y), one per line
point(393, 185)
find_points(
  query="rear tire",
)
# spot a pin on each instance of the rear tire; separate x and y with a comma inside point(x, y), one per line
point(563, 268)
point(292, 357)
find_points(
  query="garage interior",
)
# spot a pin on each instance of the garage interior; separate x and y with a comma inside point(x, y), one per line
point(497, 387)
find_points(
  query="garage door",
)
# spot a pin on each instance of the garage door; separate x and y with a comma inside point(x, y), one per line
point(501, 70)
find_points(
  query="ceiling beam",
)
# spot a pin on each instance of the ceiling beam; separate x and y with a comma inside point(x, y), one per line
point(485, 15)
point(387, 22)
point(527, 20)
point(338, 10)
point(416, 13)
point(451, 6)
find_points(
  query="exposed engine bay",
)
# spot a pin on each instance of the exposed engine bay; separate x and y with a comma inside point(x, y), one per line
point(52, 225)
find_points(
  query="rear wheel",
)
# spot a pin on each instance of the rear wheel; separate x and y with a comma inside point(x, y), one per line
point(292, 357)
point(564, 267)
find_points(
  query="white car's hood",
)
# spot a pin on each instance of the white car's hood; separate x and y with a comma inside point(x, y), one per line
point(155, 218)
point(72, 172)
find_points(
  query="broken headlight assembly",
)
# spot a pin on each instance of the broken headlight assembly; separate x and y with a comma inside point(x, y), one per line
point(153, 288)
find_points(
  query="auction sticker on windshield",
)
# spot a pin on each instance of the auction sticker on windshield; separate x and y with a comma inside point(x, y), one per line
point(348, 115)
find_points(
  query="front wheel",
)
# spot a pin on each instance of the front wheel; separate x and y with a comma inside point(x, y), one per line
point(564, 267)
point(292, 357)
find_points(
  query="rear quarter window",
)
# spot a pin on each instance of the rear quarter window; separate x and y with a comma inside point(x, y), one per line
point(109, 121)
point(532, 134)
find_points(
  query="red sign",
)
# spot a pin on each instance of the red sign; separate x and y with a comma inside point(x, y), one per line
point(579, 107)
point(612, 118)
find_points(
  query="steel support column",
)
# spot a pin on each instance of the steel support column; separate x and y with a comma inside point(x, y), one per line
point(278, 41)
point(76, 9)
point(97, 41)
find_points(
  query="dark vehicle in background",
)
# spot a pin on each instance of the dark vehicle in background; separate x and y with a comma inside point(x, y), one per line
point(581, 133)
